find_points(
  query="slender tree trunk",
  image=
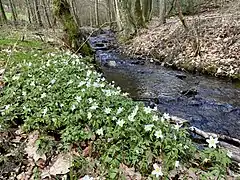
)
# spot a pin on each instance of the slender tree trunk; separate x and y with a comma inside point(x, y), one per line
point(162, 11)
point(180, 15)
point(37, 12)
point(97, 13)
point(13, 10)
point(118, 17)
point(147, 9)
point(109, 6)
point(139, 14)
point(28, 11)
point(4, 17)
point(127, 8)
point(91, 17)
point(46, 13)
point(32, 11)
point(74, 10)
point(194, 36)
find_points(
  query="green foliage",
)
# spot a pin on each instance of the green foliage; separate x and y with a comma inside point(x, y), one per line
point(61, 93)
point(45, 145)
point(215, 160)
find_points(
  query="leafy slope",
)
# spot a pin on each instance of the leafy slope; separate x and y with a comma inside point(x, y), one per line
point(218, 34)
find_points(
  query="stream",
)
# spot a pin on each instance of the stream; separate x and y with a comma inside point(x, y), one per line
point(208, 103)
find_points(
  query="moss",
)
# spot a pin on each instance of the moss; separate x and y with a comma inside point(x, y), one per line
point(86, 50)
point(188, 66)
point(237, 77)
point(210, 70)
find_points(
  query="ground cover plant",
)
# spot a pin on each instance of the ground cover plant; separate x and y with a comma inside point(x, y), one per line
point(74, 109)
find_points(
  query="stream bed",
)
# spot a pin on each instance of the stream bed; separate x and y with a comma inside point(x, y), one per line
point(208, 103)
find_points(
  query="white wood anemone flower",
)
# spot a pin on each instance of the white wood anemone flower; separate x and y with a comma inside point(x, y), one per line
point(177, 164)
point(120, 123)
point(148, 127)
point(87, 177)
point(147, 110)
point(157, 170)
point(212, 142)
point(99, 132)
point(166, 116)
point(229, 154)
point(155, 118)
point(158, 134)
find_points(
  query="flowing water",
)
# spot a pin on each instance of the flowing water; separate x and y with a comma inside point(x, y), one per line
point(208, 103)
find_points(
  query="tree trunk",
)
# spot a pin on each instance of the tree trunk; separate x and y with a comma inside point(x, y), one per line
point(28, 11)
point(117, 12)
point(180, 15)
point(46, 13)
point(162, 11)
point(4, 17)
point(97, 13)
point(37, 12)
point(110, 12)
point(74, 10)
point(139, 14)
point(127, 17)
point(74, 38)
point(13, 10)
point(194, 36)
point(32, 11)
point(147, 9)
point(91, 17)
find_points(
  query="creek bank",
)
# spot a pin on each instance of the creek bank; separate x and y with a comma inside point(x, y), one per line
point(208, 103)
point(171, 46)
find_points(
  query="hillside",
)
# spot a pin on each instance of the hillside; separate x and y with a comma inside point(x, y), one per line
point(217, 30)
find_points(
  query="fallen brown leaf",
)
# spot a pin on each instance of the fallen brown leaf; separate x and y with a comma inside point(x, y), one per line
point(129, 173)
point(31, 148)
point(61, 165)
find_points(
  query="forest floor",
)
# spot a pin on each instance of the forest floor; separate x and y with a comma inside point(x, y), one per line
point(217, 30)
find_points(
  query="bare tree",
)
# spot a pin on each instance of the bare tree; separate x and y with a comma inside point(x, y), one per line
point(37, 13)
point(97, 13)
point(13, 10)
point(110, 12)
point(46, 13)
point(4, 17)
point(147, 9)
point(192, 32)
point(74, 11)
point(140, 21)
point(28, 11)
point(162, 11)
point(117, 12)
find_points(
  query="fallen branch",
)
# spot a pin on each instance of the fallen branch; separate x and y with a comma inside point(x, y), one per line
point(229, 140)
point(229, 143)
